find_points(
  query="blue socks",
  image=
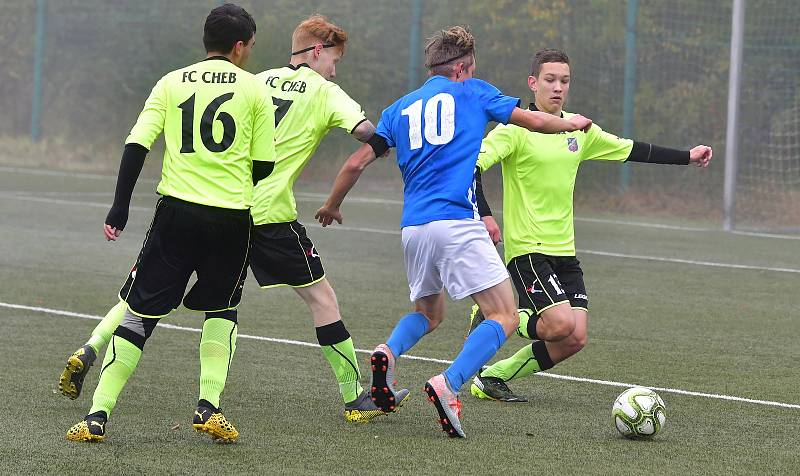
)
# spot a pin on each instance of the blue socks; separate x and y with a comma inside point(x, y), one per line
point(408, 331)
point(480, 346)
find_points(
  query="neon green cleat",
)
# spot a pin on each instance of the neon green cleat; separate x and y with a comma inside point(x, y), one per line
point(208, 419)
point(71, 381)
point(363, 409)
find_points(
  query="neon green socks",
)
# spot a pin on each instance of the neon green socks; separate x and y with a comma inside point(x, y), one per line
point(120, 361)
point(102, 333)
point(528, 360)
point(337, 347)
point(217, 346)
point(342, 357)
point(518, 365)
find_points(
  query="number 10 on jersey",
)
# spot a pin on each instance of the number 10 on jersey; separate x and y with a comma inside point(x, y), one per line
point(439, 126)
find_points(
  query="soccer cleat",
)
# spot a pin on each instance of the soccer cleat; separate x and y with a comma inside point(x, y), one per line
point(447, 404)
point(208, 419)
point(91, 428)
point(475, 318)
point(71, 381)
point(382, 389)
point(493, 388)
point(363, 409)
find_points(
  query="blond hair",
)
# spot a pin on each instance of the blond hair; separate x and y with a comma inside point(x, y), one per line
point(447, 46)
point(318, 29)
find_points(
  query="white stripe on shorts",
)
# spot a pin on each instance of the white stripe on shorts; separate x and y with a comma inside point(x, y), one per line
point(456, 255)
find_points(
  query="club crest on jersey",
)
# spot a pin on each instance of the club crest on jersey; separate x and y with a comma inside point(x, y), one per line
point(572, 144)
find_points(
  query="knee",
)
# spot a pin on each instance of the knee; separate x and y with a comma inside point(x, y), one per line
point(508, 319)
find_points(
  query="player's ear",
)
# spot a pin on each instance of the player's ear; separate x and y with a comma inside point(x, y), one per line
point(532, 83)
point(238, 47)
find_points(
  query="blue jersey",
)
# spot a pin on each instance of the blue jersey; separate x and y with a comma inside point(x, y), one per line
point(437, 131)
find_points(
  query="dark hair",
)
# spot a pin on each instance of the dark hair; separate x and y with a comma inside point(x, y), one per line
point(225, 26)
point(447, 46)
point(547, 55)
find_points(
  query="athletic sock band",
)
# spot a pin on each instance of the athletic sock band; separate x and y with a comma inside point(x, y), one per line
point(332, 333)
point(542, 355)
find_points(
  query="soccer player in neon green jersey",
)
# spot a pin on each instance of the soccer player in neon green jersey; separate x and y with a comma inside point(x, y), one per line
point(218, 125)
point(538, 180)
point(308, 105)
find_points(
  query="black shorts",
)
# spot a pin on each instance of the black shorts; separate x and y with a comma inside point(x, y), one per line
point(184, 238)
point(282, 255)
point(542, 281)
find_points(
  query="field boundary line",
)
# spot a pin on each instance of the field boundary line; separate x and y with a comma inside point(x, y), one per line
point(308, 196)
point(609, 383)
point(712, 264)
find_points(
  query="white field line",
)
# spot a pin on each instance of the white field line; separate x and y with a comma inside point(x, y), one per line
point(320, 198)
point(608, 383)
point(397, 233)
point(311, 197)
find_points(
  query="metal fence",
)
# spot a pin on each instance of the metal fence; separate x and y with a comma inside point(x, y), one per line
point(75, 73)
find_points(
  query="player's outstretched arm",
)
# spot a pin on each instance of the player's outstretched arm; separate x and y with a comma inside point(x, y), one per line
point(653, 154)
point(129, 169)
point(347, 177)
point(538, 121)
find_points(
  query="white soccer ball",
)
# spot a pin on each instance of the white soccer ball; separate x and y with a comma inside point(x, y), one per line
point(639, 413)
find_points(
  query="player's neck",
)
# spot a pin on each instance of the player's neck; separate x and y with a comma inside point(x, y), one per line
point(212, 54)
point(541, 108)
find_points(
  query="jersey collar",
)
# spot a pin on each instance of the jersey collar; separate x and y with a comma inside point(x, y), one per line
point(532, 107)
point(301, 65)
point(218, 57)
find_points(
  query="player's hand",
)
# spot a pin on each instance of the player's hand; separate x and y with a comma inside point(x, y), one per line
point(580, 123)
point(492, 228)
point(326, 215)
point(117, 217)
point(701, 155)
point(111, 233)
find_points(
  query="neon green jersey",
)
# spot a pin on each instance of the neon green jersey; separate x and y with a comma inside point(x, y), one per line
point(307, 106)
point(216, 119)
point(539, 172)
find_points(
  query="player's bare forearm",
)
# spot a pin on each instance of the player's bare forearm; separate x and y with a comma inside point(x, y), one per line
point(538, 121)
point(345, 180)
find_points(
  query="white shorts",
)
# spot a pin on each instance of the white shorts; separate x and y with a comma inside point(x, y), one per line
point(454, 254)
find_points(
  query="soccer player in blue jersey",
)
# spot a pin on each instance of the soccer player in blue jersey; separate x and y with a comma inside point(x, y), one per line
point(437, 131)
